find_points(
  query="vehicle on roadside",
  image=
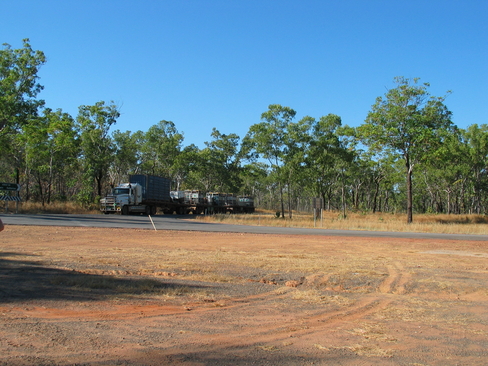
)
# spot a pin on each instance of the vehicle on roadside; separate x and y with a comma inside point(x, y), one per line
point(146, 194)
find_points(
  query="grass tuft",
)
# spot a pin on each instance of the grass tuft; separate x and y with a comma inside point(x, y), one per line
point(53, 208)
point(427, 223)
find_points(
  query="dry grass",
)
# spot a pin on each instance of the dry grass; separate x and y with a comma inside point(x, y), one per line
point(53, 208)
point(427, 223)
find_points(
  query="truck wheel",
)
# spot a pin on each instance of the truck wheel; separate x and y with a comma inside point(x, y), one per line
point(125, 210)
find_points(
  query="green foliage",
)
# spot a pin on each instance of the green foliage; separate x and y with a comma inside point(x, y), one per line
point(19, 86)
point(97, 146)
point(407, 143)
point(161, 144)
point(409, 123)
point(222, 157)
point(269, 140)
point(127, 155)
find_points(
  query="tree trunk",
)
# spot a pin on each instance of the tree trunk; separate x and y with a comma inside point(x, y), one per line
point(448, 201)
point(289, 201)
point(41, 193)
point(375, 195)
point(409, 192)
point(282, 201)
point(343, 197)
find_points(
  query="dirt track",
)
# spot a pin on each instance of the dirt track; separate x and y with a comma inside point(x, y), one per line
point(127, 297)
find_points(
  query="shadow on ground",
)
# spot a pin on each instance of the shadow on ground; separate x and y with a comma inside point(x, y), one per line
point(23, 279)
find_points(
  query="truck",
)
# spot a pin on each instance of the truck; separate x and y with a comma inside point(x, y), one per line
point(145, 194)
point(142, 194)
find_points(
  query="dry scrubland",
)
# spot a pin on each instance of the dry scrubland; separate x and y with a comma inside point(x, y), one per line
point(428, 223)
point(91, 296)
point(448, 224)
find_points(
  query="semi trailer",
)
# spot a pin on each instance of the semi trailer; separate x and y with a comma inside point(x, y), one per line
point(145, 194)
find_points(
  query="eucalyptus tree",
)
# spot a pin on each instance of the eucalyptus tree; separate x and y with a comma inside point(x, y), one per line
point(407, 122)
point(267, 140)
point(476, 139)
point(224, 160)
point(127, 155)
point(444, 175)
point(160, 147)
point(296, 141)
point(382, 174)
point(19, 86)
point(201, 175)
point(327, 158)
point(184, 167)
point(50, 154)
point(63, 147)
point(253, 177)
point(97, 145)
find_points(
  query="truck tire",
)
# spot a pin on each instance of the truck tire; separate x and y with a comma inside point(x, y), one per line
point(125, 210)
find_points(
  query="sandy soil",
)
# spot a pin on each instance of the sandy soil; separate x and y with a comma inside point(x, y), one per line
point(78, 296)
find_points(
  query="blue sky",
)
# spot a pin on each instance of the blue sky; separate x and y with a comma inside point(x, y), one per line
point(220, 63)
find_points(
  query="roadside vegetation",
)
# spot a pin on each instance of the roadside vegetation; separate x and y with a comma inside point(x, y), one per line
point(426, 223)
point(53, 208)
point(380, 221)
point(407, 157)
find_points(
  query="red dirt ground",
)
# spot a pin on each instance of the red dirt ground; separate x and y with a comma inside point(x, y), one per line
point(78, 296)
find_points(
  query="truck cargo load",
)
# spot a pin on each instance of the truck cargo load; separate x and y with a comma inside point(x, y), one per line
point(154, 188)
point(146, 194)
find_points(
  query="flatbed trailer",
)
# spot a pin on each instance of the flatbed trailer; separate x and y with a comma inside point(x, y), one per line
point(145, 194)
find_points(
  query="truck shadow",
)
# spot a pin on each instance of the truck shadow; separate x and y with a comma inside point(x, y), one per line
point(22, 280)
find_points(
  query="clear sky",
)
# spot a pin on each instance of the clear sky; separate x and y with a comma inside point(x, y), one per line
point(220, 63)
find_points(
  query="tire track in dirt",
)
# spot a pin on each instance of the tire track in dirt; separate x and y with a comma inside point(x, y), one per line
point(252, 332)
point(301, 325)
point(396, 280)
point(127, 312)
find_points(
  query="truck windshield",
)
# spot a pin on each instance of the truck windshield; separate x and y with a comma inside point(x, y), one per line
point(118, 191)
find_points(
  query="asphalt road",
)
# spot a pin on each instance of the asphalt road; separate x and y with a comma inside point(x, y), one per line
point(186, 223)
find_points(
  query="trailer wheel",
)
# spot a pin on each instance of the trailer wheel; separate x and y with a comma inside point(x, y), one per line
point(147, 210)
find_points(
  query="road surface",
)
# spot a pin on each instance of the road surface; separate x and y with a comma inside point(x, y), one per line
point(186, 223)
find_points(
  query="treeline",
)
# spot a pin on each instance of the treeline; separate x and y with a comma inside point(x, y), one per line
point(407, 156)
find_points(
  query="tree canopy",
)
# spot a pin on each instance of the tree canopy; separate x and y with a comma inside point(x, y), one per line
point(395, 161)
point(407, 122)
point(19, 85)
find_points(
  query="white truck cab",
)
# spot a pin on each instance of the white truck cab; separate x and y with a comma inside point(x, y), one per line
point(124, 195)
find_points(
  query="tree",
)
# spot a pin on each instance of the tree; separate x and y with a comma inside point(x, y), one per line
point(51, 150)
point(476, 138)
point(161, 145)
point(185, 165)
point(96, 144)
point(407, 122)
point(127, 156)
point(296, 141)
point(326, 157)
point(268, 140)
point(224, 160)
point(19, 86)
